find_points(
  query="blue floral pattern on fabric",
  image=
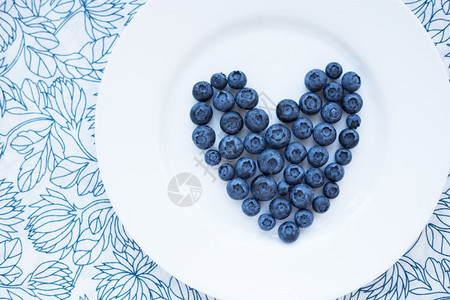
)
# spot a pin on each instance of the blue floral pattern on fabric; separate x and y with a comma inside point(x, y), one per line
point(59, 236)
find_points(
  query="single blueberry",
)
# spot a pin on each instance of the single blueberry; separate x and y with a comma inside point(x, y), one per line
point(321, 204)
point(351, 81)
point(301, 195)
point(314, 177)
point(254, 143)
point(237, 80)
point(310, 103)
point(333, 70)
point(293, 174)
point(202, 91)
point(231, 147)
point(226, 172)
point(317, 156)
point(266, 222)
point(247, 98)
point(278, 136)
point(324, 134)
point(201, 113)
point(352, 103)
point(237, 189)
point(283, 188)
point(334, 172)
point(219, 81)
point(212, 157)
point(256, 120)
point(280, 208)
point(231, 122)
point(251, 207)
point(315, 80)
point(333, 91)
point(349, 138)
point(331, 190)
point(223, 101)
point(245, 167)
point(343, 156)
point(303, 218)
point(263, 188)
point(270, 162)
point(295, 152)
point(353, 121)
point(203, 137)
point(288, 232)
point(302, 128)
point(331, 112)
point(287, 110)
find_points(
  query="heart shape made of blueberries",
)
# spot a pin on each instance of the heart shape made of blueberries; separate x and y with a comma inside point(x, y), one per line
point(272, 170)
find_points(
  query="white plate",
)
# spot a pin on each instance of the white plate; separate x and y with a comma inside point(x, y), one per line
point(390, 188)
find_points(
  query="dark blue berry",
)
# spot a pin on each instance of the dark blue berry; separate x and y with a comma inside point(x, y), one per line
point(315, 80)
point(301, 195)
point(266, 222)
point(302, 128)
point(287, 110)
point(237, 189)
point(223, 101)
point(254, 143)
point(256, 120)
point(331, 190)
point(231, 147)
point(334, 172)
point(333, 70)
point(203, 137)
point(310, 103)
point(333, 91)
point(294, 174)
point(321, 204)
point(202, 91)
point(251, 207)
point(349, 138)
point(270, 162)
point(247, 98)
point(317, 156)
point(278, 136)
point(303, 218)
point(331, 112)
point(245, 167)
point(219, 81)
point(352, 103)
point(212, 157)
point(283, 188)
point(288, 232)
point(237, 80)
point(353, 121)
point(280, 208)
point(351, 81)
point(231, 122)
point(226, 172)
point(295, 152)
point(314, 177)
point(263, 188)
point(343, 156)
point(324, 134)
point(201, 113)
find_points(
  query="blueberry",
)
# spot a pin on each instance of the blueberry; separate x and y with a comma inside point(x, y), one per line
point(303, 218)
point(352, 103)
point(201, 113)
point(295, 152)
point(334, 172)
point(333, 70)
point(283, 188)
point(251, 207)
point(333, 91)
point(219, 81)
point(278, 136)
point(247, 98)
point(353, 121)
point(231, 122)
point(317, 156)
point(331, 190)
point(237, 80)
point(223, 101)
point(280, 208)
point(270, 162)
point(302, 128)
point(256, 120)
point(202, 91)
point(343, 156)
point(301, 195)
point(203, 137)
point(310, 103)
point(315, 80)
point(212, 157)
point(226, 172)
point(287, 110)
point(321, 204)
point(324, 134)
point(351, 81)
point(288, 232)
point(245, 167)
point(349, 138)
point(266, 222)
point(254, 143)
point(331, 112)
point(314, 177)
point(263, 188)
point(231, 147)
point(237, 189)
point(293, 174)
